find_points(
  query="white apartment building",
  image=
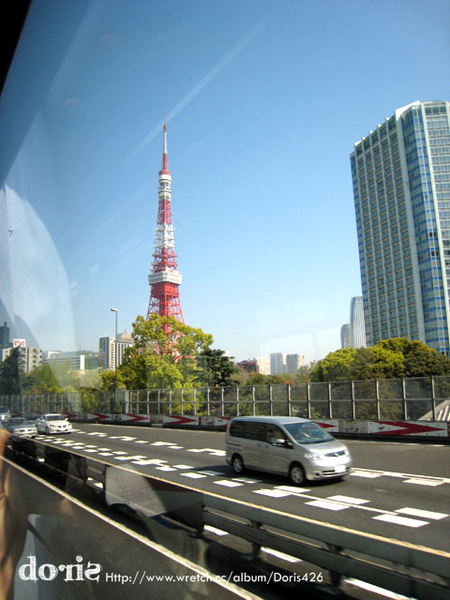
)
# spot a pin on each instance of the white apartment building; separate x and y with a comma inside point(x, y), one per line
point(111, 350)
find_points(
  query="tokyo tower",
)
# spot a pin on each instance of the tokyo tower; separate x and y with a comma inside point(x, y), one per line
point(164, 279)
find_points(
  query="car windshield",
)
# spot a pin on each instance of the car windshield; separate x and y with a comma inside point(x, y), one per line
point(55, 418)
point(17, 422)
point(308, 433)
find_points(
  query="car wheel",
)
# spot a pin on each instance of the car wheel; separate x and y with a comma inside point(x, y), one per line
point(297, 474)
point(237, 464)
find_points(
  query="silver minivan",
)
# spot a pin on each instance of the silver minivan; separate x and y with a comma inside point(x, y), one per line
point(290, 446)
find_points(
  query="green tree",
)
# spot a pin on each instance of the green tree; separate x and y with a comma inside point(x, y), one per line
point(419, 359)
point(215, 368)
point(108, 379)
point(164, 353)
point(11, 373)
point(41, 380)
point(336, 366)
point(391, 358)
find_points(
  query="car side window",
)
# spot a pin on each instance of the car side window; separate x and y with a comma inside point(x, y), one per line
point(275, 436)
point(237, 429)
point(255, 431)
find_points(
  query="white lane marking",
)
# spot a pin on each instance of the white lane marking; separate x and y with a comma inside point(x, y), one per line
point(397, 520)
point(339, 502)
point(292, 489)
point(175, 447)
point(424, 514)
point(272, 493)
point(217, 473)
point(141, 442)
point(183, 467)
point(367, 474)
point(162, 444)
point(105, 454)
point(149, 461)
point(194, 475)
point(124, 438)
point(348, 500)
point(131, 457)
point(164, 468)
point(72, 443)
point(119, 452)
point(91, 450)
point(247, 480)
point(97, 433)
point(328, 505)
point(408, 477)
point(427, 482)
point(227, 483)
point(212, 451)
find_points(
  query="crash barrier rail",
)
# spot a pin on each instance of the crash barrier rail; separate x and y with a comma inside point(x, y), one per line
point(399, 567)
point(72, 550)
point(407, 399)
point(414, 571)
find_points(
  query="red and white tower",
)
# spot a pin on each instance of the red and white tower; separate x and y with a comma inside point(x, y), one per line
point(164, 279)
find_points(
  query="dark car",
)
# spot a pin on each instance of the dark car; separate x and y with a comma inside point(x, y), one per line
point(21, 427)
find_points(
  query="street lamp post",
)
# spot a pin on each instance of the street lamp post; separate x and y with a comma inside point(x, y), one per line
point(115, 310)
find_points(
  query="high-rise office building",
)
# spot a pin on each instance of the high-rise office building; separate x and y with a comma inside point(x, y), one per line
point(277, 363)
point(346, 336)
point(294, 362)
point(401, 183)
point(4, 336)
point(357, 323)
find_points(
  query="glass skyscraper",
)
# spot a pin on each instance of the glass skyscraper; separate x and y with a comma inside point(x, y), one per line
point(401, 184)
point(357, 324)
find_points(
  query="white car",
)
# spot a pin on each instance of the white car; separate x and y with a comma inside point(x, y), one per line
point(53, 423)
point(5, 415)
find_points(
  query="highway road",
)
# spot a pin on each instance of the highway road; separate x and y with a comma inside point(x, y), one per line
point(397, 490)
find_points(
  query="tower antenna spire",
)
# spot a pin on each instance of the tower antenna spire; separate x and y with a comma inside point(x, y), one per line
point(165, 163)
point(164, 278)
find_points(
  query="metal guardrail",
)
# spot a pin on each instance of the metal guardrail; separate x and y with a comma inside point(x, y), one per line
point(407, 399)
point(414, 571)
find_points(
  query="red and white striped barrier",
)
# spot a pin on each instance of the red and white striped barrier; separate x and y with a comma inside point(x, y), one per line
point(98, 417)
point(404, 428)
point(346, 426)
point(221, 422)
point(330, 425)
point(131, 419)
point(181, 420)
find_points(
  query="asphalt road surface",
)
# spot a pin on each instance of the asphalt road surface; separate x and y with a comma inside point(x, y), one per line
point(397, 490)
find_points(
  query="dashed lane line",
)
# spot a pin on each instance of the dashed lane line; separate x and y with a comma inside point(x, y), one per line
point(398, 520)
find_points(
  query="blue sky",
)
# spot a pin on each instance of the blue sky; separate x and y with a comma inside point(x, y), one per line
point(264, 101)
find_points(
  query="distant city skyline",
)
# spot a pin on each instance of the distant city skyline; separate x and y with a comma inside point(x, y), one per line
point(263, 107)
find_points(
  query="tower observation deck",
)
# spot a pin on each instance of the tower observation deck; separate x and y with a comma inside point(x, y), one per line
point(164, 278)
